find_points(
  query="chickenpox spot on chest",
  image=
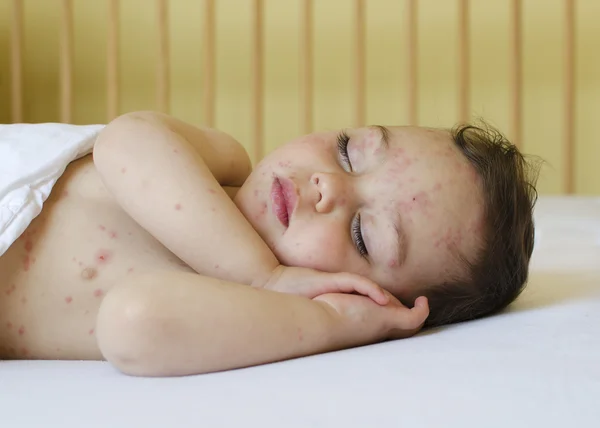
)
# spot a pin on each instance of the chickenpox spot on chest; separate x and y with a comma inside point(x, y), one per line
point(68, 299)
point(89, 273)
point(103, 256)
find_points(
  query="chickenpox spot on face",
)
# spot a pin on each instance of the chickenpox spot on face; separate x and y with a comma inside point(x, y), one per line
point(285, 164)
point(103, 256)
point(98, 292)
point(89, 273)
point(392, 263)
point(177, 207)
point(123, 170)
point(68, 299)
point(21, 331)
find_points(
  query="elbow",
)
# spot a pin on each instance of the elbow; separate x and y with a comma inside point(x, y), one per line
point(120, 140)
point(129, 335)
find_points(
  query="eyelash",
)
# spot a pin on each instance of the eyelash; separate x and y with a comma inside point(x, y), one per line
point(358, 239)
point(342, 142)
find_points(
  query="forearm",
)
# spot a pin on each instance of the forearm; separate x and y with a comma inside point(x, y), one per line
point(163, 182)
point(198, 324)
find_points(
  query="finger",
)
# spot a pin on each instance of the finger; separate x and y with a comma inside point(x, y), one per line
point(348, 283)
point(418, 314)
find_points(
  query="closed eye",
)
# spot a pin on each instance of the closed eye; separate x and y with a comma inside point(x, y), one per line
point(359, 242)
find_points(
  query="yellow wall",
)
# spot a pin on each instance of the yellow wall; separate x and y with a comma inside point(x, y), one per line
point(386, 68)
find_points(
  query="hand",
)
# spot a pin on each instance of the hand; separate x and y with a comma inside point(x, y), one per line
point(373, 322)
point(312, 283)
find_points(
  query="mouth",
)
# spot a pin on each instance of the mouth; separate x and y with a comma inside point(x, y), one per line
point(283, 196)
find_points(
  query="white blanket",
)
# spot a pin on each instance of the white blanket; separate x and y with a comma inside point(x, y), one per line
point(32, 158)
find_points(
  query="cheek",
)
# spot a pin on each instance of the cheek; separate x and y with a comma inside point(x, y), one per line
point(315, 246)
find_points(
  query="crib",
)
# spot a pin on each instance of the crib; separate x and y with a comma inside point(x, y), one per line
point(266, 71)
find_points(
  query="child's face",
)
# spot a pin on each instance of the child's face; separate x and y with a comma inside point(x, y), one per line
point(400, 212)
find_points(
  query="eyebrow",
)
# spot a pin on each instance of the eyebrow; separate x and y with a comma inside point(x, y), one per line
point(385, 135)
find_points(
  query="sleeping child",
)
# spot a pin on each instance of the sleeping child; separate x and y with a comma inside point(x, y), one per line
point(165, 254)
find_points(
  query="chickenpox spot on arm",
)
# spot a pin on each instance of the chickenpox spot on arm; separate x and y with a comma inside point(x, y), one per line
point(68, 299)
point(213, 191)
point(21, 331)
point(28, 245)
point(112, 234)
point(102, 227)
point(91, 331)
point(26, 263)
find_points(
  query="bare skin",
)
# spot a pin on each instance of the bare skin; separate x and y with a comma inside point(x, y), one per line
point(53, 279)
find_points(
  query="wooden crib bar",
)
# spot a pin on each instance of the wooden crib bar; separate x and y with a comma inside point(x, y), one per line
point(306, 68)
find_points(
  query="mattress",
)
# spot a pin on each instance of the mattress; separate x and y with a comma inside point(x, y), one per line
point(535, 365)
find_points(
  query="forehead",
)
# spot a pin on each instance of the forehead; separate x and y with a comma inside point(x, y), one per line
point(441, 206)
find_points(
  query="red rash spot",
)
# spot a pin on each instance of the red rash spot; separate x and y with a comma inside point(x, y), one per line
point(9, 325)
point(65, 193)
point(392, 263)
point(98, 292)
point(175, 151)
point(342, 202)
point(91, 331)
point(178, 207)
point(130, 270)
point(213, 191)
point(28, 245)
point(437, 187)
point(68, 299)
point(123, 170)
point(216, 266)
point(10, 290)
point(101, 227)
point(285, 164)
point(103, 256)
point(21, 331)
point(300, 335)
point(256, 193)
point(213, 209)
point(24, 351)
point(23, 300)
point(113, 235)
point(74, 259)
point(26, 263)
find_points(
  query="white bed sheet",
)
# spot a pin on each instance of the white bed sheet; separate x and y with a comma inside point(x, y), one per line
point(536, 365)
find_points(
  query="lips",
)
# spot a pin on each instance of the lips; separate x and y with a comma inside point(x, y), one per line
point(283, 196)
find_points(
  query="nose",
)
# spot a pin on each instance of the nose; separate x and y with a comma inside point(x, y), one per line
point(333, 190)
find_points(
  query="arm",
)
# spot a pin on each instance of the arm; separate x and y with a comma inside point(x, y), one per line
point(167, 175)
point(199, 324)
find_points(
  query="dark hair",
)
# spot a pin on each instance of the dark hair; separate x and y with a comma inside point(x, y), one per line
point(498, 273)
